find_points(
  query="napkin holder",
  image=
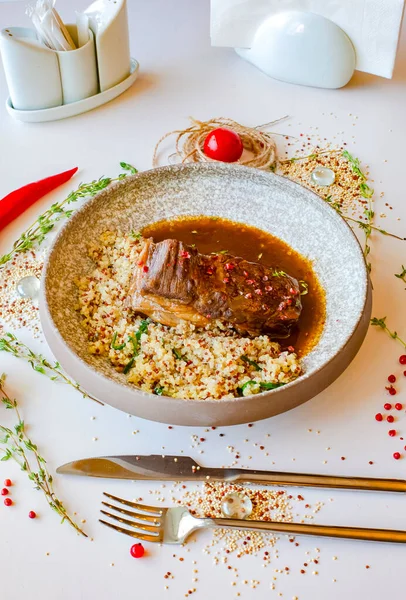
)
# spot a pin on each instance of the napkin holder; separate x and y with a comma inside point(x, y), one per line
point(47, 84)
point(303, 48)
point(41, 78)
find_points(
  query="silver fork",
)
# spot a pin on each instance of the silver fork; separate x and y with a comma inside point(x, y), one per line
point(174, 525)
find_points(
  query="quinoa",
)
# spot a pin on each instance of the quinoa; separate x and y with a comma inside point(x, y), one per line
point(183, 361)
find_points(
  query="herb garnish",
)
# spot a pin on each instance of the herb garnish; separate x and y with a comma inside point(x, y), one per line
point(136, 235)
point(159, 390)
point(36, 233)
point(250, 362)
point(178, 355)
point(113, 343)
point(277, 273)
point(263, 386)
point(127, 167)
point(402, 274)
point(382, 324)
point(135, 340)
point(240, 390)
point(304, 287)
point(9, 343)
point(19, 447)
point(129, 365)
point(270, 386)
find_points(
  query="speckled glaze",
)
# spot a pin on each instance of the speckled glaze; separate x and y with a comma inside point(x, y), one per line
point(275, 204)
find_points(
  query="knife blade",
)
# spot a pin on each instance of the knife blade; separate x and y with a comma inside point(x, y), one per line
point(156, 467)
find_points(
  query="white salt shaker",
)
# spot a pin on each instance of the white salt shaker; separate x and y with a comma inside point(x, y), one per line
point(109, 22)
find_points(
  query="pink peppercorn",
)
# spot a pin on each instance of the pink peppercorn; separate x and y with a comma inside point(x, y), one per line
point(7, 482)
point(398, 406)
point(392, 432)
point(378, 417)
point(391, 390)
point(4, 492)
point(402, 359)
point(391, 379)
point(390, 419)
point(32, 514)
point(387, 406)
point(8, 501)
point(396, 455)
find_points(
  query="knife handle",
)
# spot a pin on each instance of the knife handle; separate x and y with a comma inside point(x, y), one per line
point(352, 533)
point(319, 481)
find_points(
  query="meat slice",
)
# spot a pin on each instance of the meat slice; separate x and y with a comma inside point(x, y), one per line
point(173, 282)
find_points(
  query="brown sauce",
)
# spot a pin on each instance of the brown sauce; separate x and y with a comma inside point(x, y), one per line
point(212, 234)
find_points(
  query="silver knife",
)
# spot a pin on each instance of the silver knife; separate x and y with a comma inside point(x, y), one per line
point(155, 467)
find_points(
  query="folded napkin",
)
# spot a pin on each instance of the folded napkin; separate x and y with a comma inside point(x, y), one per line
point(372, 25)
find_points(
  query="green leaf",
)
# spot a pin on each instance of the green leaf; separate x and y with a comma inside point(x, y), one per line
point(379, 322)
point(250, 362)
point(304, 287)
point(128, 167)
point(7, 455)
point(270, 386)
point(245, 385)
point(178, 355)
point(278, 273)
point(113, 343)
point(129, 365)
point(159, 390)
point(20, 427)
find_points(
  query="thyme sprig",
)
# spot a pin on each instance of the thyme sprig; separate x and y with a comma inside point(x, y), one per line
point(402, 274)
point(365, 191)
point(10, 343)
point(16, 444)
point(309, 156)
point(36, 233)
point(382, 324)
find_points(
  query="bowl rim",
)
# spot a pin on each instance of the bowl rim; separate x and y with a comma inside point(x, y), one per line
point(44, 307)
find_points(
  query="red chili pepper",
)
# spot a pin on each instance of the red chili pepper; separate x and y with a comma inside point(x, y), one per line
point(15, 203)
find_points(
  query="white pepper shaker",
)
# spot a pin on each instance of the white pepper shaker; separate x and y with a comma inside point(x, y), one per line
point(109, 22)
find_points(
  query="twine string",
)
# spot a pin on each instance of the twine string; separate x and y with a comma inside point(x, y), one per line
point(259, 145)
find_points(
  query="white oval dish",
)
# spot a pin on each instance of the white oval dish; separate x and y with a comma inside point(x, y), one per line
point(75, 108)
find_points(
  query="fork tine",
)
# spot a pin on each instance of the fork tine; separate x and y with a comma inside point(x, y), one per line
point(134, 534)
point(142, 528)
point(155, 511)
point(140, 516)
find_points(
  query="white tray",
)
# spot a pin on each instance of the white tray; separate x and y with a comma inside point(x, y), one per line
point(75, 108)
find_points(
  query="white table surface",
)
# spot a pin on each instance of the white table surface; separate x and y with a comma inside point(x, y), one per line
point(182, 75)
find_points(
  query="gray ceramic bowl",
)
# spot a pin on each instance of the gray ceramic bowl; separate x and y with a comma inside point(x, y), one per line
point(250, 196)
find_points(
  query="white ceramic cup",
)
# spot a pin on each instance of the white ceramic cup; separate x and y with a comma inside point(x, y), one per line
point(78, 70)
point(31, 69)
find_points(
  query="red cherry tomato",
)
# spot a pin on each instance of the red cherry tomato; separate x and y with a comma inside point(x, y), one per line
point(224, 145)
point(137, 551)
